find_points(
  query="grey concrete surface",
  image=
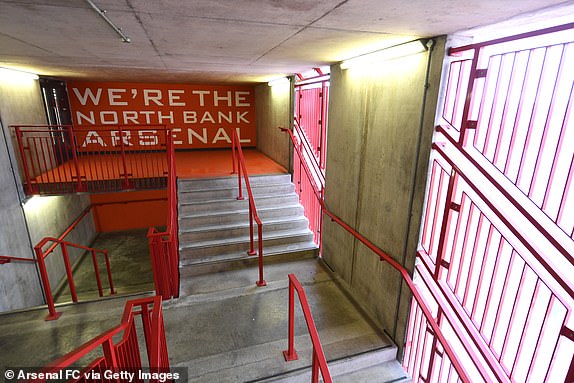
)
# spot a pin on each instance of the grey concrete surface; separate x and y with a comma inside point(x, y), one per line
point(130, 264)
point(376, 176)
point(225, 329)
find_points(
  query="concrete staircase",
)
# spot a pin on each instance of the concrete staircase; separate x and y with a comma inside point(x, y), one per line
point(214, 225)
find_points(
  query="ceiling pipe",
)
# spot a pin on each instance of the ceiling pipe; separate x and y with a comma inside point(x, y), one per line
point(103, 15)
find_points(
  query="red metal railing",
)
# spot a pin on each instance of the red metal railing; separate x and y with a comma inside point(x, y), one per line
point(319, 362)
point(496, 245)
point(9, 259)
point(239, 167)
point(164, 246)
point(303, 187)
point(125, 355)
point(454, 364)
point(60, 159)
point(40, 258)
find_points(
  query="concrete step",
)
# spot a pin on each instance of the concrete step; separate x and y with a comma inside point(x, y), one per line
point(241, 229)
point(191, 208)
point(377, 366)
point(191, 184)
point(302, 244)
point(235, 216)
point(211, 194)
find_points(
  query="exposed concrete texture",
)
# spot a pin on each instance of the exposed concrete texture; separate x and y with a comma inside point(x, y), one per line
point(376, 175)
point(274, 108)
point(24, 225)
point(20, 102)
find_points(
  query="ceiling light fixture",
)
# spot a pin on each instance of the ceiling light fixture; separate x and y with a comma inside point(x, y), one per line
point(17, 73)
point(396, 51)
point(279, 81)
point(103, 15)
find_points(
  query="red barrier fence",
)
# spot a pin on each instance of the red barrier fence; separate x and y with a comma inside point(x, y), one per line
point(164, 246)
point(125, 355)
point(303, 185)
point(497, 253)
point(319, 362)
point(9, 259)
point(41, 254)
point(60, 159)
point(452, 362)
point(239, 167)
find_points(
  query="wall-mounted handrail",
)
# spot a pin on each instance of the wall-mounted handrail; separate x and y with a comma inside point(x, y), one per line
point(9, 259)
point(125, 354)
point(319, 361)
point(164, 246)
point(463, 374)
point(40, 259)
point(239, 166)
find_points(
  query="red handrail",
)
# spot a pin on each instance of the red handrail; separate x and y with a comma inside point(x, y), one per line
point(164, 246)
point(237, 156)
point(41, 255)
point(463, 374)
point(125, 354)
point(8, 259)
point(319, 361)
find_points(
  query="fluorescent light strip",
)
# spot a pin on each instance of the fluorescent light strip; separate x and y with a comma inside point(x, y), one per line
point(279, 81)
point(396, 51)
point(17, 73)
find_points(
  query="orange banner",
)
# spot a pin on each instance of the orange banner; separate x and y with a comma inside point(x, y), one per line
point(199, 116)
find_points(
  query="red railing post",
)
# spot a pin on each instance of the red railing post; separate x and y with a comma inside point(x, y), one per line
point(315, 368)
point(290, 354)
point(261, 281)
point(97, 271)
point(233, 154)
point(79, 187)
point(109, 270)
point(53, 315)
point(251, 250)
point(29, 188)
point(126, 180)
point(69, 272)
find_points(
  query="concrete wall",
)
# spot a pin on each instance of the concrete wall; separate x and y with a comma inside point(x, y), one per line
point(274, 108)
point(379, 139)
point(22, 225)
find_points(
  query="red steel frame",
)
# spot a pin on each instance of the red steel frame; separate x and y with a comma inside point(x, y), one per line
point(164, 246)
point(40, 257)
point(310, 129)
point(125, 355)
point(54, 162)
point(448, 354)
point(9, 259)
point(239, 167)
point(497, 247)
point(319, 362)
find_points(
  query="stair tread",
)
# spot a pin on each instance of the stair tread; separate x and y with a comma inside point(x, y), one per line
point(235, 187)
point(241, 255)
point(237, 211)
point(243, 224)
point(243, 239)
point(218, 200)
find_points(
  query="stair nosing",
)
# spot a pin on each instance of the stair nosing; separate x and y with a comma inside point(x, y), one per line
point(244, 239)
point(241, 225)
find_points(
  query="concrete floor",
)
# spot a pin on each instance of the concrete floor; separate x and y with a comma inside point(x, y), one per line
point(222, 329)
point(130, 264)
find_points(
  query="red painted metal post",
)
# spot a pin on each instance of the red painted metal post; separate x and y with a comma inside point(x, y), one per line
point(97, 271)
point(290, 354)
point(108, 268)
point(240, 195)
point(233, 154)
point(315, 368)
point(251, 250)
point(126, 181)
point(29, 189)
point(53, 315)
point(74, 149)
point(261, 281)
point(69, 271)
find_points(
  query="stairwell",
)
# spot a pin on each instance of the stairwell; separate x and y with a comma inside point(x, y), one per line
point(214, 225)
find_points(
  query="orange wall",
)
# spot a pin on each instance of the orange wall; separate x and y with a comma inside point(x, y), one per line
point(123, 211)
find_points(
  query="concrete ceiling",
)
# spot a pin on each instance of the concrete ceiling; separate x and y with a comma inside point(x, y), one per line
point(217, 41)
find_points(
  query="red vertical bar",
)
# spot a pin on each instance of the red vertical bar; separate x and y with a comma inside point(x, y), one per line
point(74, 151)
point(261, 281)
point(251, 250)
point(466, 109)
point(69, 271)
point(315, 368)
point(290, 354)
point(110, 281)
point(29, 188)
point(97, 271)
point(53, 315)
